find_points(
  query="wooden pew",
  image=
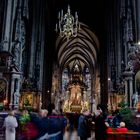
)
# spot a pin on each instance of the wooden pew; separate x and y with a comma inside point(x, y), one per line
point(130, 135)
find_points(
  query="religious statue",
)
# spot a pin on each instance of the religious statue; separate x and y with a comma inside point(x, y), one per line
point(135, 99)
point(79, 98)
point(66, 106)
point(16, 97)
point(16, 52)
point(85, 106)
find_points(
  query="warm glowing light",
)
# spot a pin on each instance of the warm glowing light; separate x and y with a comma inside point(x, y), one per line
point(67, 26)
point(5, 102)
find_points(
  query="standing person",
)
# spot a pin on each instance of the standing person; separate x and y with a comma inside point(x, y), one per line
point(100, 126)
point(10, 123)
point(56, 133)
point(84, 130)
point(42, 123)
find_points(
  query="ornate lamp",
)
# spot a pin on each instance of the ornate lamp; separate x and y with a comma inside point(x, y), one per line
point(67, 26)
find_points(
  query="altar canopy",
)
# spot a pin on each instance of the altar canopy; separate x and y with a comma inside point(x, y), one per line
point(75, 101)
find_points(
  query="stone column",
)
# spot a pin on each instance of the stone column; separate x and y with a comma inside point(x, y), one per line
point(138, 17)
point(131, 90)
point(8, 23)
point(12, 92)
point(126, 90)
point(128, 87)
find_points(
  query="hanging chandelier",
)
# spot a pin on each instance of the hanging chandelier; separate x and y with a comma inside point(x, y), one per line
point(68, 25)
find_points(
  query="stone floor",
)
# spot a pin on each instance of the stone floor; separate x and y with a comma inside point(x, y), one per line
point(73, 136)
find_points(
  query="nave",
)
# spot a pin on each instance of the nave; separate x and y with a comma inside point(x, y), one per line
point(73, 136)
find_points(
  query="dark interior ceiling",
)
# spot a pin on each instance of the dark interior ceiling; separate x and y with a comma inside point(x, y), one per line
point(93, 14)
point(81, 50)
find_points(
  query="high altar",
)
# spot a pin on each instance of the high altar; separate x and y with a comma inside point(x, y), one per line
point(76, 101)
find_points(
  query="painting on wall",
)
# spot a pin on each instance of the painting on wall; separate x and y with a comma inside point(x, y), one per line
point(28, 99)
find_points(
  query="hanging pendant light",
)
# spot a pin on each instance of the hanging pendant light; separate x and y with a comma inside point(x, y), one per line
point(68, 25)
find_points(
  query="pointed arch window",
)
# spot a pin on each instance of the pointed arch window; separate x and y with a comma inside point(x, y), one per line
point(65, 79)
point(87, 79)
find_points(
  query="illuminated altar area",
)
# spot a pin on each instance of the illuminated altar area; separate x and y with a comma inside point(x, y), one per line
point(76, 100)
point(75, 103)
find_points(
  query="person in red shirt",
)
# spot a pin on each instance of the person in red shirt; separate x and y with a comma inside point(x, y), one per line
point(122, 128)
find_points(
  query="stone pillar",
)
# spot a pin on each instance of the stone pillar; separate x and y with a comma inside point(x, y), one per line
point(138, 17)
point(8, 24)
point(12, 92)
point(126, 90)
point(131, 91)
point(128, 87)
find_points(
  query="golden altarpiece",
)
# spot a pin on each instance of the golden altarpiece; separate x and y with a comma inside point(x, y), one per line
point(76, 94)
point(30, 97)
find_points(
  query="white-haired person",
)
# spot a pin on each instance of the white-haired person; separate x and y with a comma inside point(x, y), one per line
point(10, 124)
point(122, 127)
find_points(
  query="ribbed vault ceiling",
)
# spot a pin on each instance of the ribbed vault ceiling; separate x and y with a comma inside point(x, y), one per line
point(81, 50)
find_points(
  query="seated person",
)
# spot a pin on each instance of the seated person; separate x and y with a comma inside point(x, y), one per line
point(122, 128)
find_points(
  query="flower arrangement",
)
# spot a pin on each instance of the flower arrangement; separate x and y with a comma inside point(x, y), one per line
point(25, 118)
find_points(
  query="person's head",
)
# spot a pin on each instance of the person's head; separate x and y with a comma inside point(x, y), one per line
point(98, 112)
point(55, 112)
point(25, 112)
point(11, 113)
point(86, 112)
point(122, 124)
point(43, 112)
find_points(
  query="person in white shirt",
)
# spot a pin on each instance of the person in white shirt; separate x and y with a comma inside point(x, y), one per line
point(10, 123)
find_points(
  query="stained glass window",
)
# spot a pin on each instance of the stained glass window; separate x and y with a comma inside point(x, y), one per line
point(65, 79)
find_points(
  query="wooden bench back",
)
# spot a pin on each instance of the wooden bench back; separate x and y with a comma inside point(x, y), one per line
point(130, 135)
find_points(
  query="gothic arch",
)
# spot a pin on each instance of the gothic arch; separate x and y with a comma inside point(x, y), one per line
point(83, 51)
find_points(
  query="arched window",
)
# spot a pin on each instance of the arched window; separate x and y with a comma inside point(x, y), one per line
point(65, 79)
point(87, 79)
